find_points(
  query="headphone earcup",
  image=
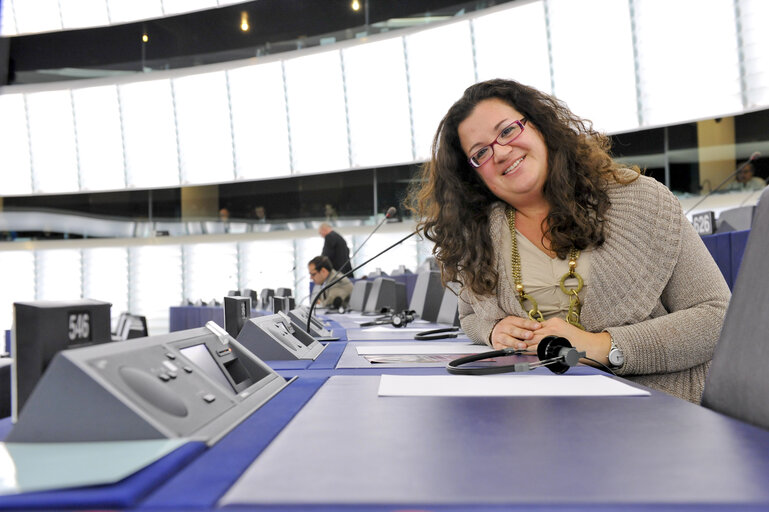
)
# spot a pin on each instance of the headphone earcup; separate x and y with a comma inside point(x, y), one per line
point(550, 347)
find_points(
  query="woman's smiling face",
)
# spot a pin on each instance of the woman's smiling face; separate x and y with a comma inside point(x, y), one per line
point(516, 172)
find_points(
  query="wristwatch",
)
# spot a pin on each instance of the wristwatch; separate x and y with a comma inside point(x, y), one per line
point(616, 357)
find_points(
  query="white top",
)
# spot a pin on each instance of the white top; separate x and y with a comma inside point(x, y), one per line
point(541, 277)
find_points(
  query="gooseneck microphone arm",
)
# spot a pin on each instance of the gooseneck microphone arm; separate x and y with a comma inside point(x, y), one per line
point(390, 213)
point(349, 272)
point(744, 164)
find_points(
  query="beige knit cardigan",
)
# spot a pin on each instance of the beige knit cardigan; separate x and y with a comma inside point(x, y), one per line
point(653, 285)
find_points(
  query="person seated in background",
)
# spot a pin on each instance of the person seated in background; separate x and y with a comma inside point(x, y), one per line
point(545, 234)
point(323, 273)
point(260, 214)
point(746, 180)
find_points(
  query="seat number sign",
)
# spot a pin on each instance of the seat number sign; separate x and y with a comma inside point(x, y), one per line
point(704, 223)
point(79, 326)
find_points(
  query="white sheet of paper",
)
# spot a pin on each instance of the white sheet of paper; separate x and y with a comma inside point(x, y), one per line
point(427, 348)
point(505, 385)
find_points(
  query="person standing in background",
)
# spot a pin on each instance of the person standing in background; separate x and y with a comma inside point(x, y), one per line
point(335, 248)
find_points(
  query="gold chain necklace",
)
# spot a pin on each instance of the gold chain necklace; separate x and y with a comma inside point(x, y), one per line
point(575, 306)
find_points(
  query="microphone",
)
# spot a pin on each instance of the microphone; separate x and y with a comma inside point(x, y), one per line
point(349, 272)
point(755, 155)
point(389, 214)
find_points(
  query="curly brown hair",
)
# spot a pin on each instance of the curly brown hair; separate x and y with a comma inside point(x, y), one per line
point(452, 203)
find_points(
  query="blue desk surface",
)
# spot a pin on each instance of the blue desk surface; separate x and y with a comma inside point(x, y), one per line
point(349, 447)
point(343, 446)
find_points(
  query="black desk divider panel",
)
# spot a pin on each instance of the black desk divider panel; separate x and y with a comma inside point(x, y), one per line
point(237, 311)
point(198, 383)
point(449, 312)
point(274, 338)
point(738, 379)
point(120, 324)
point(281, 304)
point(133, 326)
point(386, 293)
point(265, 299)
point(248, 292)
point(41, 329)
point(428, 295)
point(299, 317)
point(360, 292)
point(735, 219)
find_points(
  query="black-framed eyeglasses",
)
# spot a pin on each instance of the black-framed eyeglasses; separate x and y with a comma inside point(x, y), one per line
point(505, 137)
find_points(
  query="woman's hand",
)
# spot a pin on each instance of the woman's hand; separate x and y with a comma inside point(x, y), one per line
point(595, 344)
point(515, 332)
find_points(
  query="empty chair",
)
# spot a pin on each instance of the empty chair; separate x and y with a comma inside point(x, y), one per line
point(738, 379)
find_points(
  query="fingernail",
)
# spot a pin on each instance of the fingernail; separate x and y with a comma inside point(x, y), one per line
point(537, 326)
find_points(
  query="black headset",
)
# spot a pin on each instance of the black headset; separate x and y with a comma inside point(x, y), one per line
point(401, 319)
point(554, 352)
point(438, 334)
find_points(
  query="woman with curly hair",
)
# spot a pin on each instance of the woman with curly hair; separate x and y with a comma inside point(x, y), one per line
point(544, 234)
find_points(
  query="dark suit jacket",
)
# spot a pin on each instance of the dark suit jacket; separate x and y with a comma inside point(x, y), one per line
point(337, 251)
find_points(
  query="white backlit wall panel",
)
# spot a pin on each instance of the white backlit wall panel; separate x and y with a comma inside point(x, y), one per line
point(15, 166)
point(210, 270)
point(149, 134)
point(17, 272)
point(203, 122)
point(378, 103)
point(424, 250)
point(512, 44)
point(7, 19)
point(105, 277)
point(687, 59)
point(83, 13)
point(259, 122)
point(59, 274)
point(52, 141)
point(405, 254)
point(317, 113)
point(121, 11)
point(71, 14)
point(99, 138)
point(599, 86)
point(36, 15)
point(171, 7)
point(305, 250)
point(155, 283)
point(440, 63)
point(270, 264)
point(755, 41)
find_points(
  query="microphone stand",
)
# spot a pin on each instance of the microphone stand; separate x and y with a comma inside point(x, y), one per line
point(732, 175)
point(349, 272)
point(381, 223)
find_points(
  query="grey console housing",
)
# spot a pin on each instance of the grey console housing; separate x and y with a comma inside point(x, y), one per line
point(198, 384)
point(299, 317)
point(274, 338)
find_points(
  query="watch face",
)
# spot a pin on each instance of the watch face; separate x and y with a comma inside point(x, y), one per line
point(616, 358)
